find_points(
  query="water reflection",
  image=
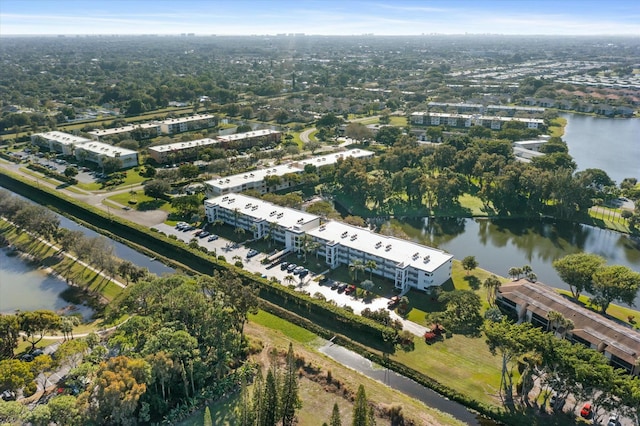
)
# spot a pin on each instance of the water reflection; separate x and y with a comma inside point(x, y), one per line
point(501, 244)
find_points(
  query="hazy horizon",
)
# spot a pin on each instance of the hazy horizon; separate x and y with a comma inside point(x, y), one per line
point(321, 18)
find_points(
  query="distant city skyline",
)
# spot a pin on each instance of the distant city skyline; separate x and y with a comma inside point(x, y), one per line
point(320, 17)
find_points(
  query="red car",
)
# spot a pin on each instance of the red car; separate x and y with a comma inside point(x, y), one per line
point(586, 411)
point(350, 289)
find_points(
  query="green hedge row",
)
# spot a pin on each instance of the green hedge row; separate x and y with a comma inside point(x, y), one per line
point(51, 173)
point(10, 157)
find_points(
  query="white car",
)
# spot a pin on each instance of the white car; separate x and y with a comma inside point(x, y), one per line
point(614, 419)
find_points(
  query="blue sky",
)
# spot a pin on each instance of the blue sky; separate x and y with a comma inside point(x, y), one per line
point(328, 17)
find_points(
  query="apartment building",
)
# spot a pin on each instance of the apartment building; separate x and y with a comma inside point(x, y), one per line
point(96, 152)
point(184, 124)
point(179, 150)
point(134, 131)
point(261, 219)
point(408, 264)
point(60, 142)
point(532, 302)
point(258, 179)
point(249, 139)
point(467, 120)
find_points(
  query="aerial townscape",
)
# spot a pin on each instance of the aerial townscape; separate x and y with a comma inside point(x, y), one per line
point(319, 213)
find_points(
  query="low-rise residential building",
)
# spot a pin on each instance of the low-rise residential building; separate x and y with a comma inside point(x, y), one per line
point(184, 124)
point(180, 150)
point(468, 120)
point(261, 219)
point(408, 264)
point(512, 109)
point(60, 142)
point(134, 131)
point(259, 179)
point(96, 152)
point(249, 139)
point(459, 107)
point(532, 302)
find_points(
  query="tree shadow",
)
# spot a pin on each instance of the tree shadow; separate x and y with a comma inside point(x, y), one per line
point(150, 205)
point(473, 281)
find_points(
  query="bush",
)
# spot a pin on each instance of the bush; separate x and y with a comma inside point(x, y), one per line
point(30, 389)
point(238, 264)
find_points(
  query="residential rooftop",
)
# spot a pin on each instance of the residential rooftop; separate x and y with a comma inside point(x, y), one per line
point(106, 149)
point(247, 135)
point(183, 145)
point(63, 138)
point(259, 209)
point(402, 252)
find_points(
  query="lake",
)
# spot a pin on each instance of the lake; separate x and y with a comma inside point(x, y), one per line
point(610, 144)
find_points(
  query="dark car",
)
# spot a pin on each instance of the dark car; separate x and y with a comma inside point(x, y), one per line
point(26, 358)
point(284, 265)
point(393, 302)
point(304, 273)
point(342, 287)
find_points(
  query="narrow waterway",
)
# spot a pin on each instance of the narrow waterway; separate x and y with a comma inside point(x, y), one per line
point(26, 287)
point(402, 384)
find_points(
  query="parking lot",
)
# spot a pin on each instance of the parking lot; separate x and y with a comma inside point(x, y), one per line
point(309, 283)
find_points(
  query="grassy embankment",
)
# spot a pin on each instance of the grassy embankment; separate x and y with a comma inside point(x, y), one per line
point(318, 396)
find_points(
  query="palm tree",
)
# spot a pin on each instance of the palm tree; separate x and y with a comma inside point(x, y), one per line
point(555, 318)
point(492, 285)
point(356, 266)
point(515, 272)
point(289, 279)
point(371, 265)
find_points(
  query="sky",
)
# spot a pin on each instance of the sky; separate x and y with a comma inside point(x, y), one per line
point(324, 17)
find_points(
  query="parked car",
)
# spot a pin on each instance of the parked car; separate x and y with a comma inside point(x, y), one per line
point(304, 273)
point(203, 234)
point(26, 358)
point(350, 289)
point(251, 253)
point(291, 267)
point(198, 232)
point(393, 302)
point(587, 410)
point(342, 287)
point(8, 396)
point(212, 237)
point(284, 265)
point(614, 419)
point(298, 269)
point(335, 285)
point(556, 402)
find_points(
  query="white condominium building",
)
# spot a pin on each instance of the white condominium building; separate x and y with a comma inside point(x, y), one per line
point(406, 263)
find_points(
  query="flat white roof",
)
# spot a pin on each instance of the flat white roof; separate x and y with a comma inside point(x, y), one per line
point(247, 135)
point(322, 160)
point(477, 117)
point(63, 138)
point(106, 149)
point(196, 117)
point(123, 129)
point(183, 145)
point(401, 252)
point(259, 209)
point(253, 176)
point(281, 170)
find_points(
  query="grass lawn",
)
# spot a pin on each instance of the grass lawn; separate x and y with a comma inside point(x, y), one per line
point(288, 329)
point(557, 127)
point(398, 121)
point(143, 202)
